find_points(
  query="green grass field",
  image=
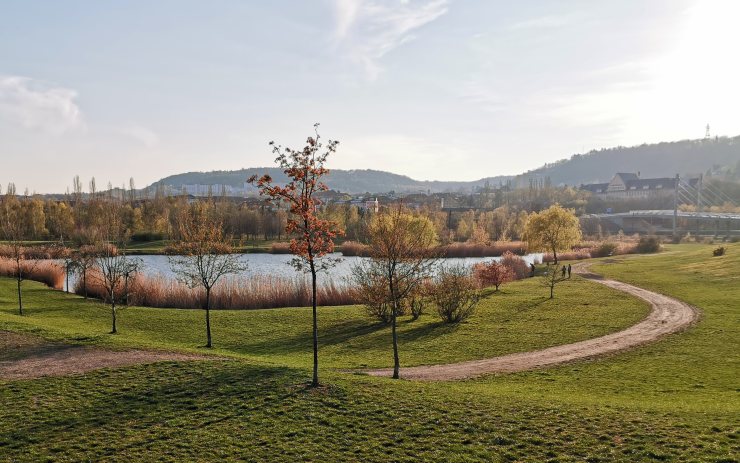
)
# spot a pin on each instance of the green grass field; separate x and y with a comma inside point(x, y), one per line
point(675, 400)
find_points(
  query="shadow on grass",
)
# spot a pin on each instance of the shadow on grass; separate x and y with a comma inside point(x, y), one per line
point(199, 393)
point(337, 333)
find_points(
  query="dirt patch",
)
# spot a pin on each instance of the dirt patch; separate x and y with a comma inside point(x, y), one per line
point(667, 316)
point(27, 357)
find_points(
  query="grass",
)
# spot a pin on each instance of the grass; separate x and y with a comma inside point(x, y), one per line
point(518, 318)
point(675, 400)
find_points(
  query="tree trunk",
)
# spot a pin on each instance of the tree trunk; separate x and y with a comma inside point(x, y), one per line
point(396, 362)
point(208, 318)
point(555, 256)
point(20, 297)
point(394, 311)
point(67, 283)
point(315, 380)
point(84, 282)
point(113, 313)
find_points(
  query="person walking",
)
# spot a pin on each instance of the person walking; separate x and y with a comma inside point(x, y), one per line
point(564, 270)
point(569, 270)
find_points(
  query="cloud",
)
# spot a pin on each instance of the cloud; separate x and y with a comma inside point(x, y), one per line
point(146, 137)
point(35, 104)
point(544, 22)
point(367, 30)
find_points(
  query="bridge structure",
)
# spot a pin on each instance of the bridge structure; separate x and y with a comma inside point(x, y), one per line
point(700, 218)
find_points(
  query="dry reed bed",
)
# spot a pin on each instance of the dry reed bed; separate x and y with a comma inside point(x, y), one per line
point(46, 272)
point(257, 292)
point(497, 249)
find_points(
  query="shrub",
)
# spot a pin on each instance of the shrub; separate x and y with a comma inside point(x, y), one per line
point(604, 249)
point(455, 294)
point(648, 245)
point(720, 251)
point(492, 274)
point(518, 265)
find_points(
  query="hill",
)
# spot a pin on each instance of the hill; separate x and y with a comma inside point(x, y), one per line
point(348, 181)
point(686, 157)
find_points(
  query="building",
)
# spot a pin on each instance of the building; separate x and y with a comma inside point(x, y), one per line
point(626, 185)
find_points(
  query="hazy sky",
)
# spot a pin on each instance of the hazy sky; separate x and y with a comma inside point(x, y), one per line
point(434, 89)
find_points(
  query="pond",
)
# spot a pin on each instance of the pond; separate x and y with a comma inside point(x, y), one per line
point(279, 265)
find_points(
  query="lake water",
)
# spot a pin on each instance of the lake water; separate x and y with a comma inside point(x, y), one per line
point(279, 265)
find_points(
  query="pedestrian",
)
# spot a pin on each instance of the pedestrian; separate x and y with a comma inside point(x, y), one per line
point(531, 267)
point(564, 270)
point(569, 270)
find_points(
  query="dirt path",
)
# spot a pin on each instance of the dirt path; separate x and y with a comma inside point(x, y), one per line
point(27, 357)
point(667, 316)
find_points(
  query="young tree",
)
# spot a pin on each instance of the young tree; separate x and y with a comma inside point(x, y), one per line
point(12, 232)
point(203, 255)
point(110, 256)
point(314, 235)
point(402, 256)
point(85, 261)
point(554, 229)
point(552, 276)
point(492, 274)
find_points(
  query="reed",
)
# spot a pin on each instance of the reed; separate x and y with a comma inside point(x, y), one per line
point(354, 249)
point(280, 248)
point(46, 272)
point(257, 292)
point(495, 249)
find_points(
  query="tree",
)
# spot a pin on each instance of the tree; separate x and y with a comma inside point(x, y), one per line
point(12, 232)
point(402, 257)
point(203, 255)
point(554, 229)
point(493, 274)
point(110, 256)
point(85, 260)
point(315, 236)
point(552, 276)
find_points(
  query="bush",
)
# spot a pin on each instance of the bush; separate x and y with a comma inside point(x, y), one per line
point(518, 265)
point(604, 249)
point(648, 245)
point(455, 294)
point(720, 251)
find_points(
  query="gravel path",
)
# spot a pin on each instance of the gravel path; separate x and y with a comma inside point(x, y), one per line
point(667, 316)
point(27, 357)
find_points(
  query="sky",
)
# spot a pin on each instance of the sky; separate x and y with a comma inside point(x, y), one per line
point(433, 89)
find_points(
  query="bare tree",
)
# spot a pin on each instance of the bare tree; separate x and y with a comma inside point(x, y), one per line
point(203, 255)
point(552, 276)
point(11, 231)
point(110, 257)
point(402, 257)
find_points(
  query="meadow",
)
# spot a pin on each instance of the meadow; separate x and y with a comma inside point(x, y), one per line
point(674, 400)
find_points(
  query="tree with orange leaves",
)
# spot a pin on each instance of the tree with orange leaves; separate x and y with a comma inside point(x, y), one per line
point(314, 236)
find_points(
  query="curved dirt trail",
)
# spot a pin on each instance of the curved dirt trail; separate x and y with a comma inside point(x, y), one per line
point(667, 316)
point(29, 357)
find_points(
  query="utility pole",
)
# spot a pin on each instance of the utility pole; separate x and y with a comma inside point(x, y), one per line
point(675, 204)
